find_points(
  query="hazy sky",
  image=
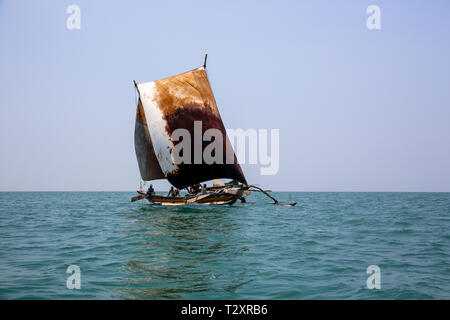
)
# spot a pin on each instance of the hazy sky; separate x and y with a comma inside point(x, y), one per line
point(357, 109)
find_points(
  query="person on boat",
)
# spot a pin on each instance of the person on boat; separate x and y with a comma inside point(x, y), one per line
point(176, 193)
point(150, 190)
point(171, 192)
point(194, 188)
point(204, 189)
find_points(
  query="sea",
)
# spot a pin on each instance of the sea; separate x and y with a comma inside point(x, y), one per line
point(331, 245)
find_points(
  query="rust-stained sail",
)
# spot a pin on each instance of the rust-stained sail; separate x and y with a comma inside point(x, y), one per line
point(176, 103)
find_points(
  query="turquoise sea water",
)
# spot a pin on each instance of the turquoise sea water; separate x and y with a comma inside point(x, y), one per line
point(319, 249)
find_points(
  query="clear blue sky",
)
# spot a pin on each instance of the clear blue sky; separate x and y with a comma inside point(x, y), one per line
point(358, 110)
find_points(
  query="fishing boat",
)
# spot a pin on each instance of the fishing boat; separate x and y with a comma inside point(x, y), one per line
point(181, 111)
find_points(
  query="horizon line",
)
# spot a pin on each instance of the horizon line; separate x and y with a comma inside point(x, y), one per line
point(303, 191)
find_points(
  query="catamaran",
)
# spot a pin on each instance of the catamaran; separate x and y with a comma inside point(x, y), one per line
point(173, 110)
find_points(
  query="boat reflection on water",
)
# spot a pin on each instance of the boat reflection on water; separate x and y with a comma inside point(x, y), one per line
point(183, 251)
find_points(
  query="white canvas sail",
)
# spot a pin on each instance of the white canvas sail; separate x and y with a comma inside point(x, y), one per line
point(145, 154)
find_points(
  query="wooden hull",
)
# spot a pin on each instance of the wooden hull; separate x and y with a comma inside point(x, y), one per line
point(217, 198)
point(166, 201)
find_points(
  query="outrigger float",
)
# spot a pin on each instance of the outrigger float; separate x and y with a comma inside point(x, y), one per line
point(177, 104)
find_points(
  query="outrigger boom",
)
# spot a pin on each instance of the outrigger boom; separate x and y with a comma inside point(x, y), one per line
point(275, 201)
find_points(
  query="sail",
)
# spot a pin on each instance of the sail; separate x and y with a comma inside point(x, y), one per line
point(182, 102)
point(145, 154)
